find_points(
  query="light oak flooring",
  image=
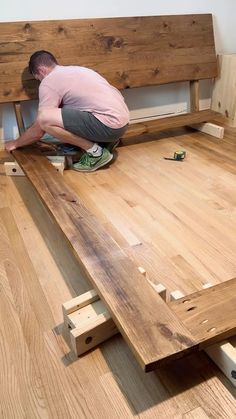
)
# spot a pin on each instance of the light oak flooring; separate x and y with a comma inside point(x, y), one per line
point(175, 219)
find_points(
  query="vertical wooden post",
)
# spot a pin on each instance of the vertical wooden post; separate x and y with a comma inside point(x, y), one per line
point(19, 119)
point(194, 95)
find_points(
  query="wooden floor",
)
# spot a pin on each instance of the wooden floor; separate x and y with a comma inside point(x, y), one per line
point(175, 219)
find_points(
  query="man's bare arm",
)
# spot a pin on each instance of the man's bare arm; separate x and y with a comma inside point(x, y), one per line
point(30, 136)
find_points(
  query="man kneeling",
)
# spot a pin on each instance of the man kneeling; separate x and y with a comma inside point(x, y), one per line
point(77, 106)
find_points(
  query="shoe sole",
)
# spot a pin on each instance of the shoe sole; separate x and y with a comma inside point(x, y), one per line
point(95, 168)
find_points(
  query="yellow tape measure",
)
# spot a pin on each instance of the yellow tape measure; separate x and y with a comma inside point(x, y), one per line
point(178, 155)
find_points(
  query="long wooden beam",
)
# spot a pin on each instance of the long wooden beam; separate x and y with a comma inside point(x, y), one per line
point(170, 122)
point(149, 326)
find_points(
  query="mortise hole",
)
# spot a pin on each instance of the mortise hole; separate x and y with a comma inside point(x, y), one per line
point(185, 301)
point(14, 170)
point(204, 321)
point(88, 340)
point(191, 308)
point(212, 329)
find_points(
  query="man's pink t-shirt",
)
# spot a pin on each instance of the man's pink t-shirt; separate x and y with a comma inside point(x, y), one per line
point(84, 89)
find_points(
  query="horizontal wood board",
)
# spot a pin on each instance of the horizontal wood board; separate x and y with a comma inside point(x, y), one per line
point(128, 51)
point(209, 314)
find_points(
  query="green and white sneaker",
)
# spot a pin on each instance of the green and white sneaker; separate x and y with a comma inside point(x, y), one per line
point(90, 163)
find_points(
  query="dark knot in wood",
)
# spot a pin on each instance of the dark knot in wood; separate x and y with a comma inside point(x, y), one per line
point(6, 92)
point(165, 331)
point(27, 27)
point(111, 41)
point(60, 29)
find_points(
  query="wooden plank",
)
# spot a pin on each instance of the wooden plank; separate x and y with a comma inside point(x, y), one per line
point(162, 124)
point(19, 118)
point(222, 353)
point(194, 95)
point(145, 321)
point(13, 168)
point(209, 315)
point(80, 302)
point(223, 95)
point(132, 51)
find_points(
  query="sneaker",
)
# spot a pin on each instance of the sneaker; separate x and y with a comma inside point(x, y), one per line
point(90, 163)
point(110, 146)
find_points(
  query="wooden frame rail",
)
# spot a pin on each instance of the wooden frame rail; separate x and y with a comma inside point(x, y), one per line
point(156, 332)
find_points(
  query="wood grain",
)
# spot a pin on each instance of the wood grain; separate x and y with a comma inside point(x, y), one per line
point(209, 314)
point(162, 124)
point(184, 215)
point(132, 304)
point(128, 51)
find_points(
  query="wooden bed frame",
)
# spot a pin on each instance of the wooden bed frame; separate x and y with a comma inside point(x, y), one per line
point(129, 52)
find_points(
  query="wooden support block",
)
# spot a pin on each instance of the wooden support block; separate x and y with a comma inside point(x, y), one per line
point(175, 295)
point(19, 118)
point(159, 288)
point(211, 129)
point(194, 95)
point(223, 353)
point(13, 168)
point(207, 285)
point(87, 322)
point(80, 301)
point(59, 167)
point(224, 356)
point(90, 335)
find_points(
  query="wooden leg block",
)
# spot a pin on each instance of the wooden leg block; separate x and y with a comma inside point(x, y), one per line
point(87, 322)
point(95, 332)
point(13, 168)
point(211, 129)
point(58, 162)
point(222, 353)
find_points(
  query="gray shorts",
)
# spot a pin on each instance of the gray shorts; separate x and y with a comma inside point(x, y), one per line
point(86, 125)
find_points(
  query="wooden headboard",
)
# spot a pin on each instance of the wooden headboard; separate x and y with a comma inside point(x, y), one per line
point(128, 51)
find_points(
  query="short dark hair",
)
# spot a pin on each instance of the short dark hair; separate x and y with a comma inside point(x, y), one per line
point(41, 58)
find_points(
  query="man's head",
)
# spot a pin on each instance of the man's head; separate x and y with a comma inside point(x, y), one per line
point(41, 63)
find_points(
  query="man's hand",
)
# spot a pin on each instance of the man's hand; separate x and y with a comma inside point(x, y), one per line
point(11, 145)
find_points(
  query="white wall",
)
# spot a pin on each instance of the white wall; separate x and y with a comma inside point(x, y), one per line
point(142, 102)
